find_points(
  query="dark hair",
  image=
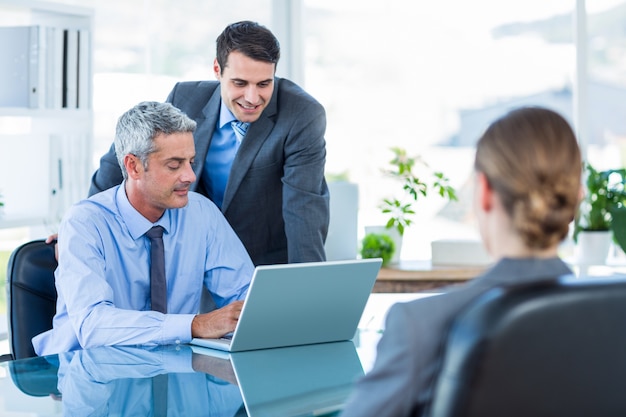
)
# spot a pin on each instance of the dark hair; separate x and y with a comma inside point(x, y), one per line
point(249, 38)
point(532, 160)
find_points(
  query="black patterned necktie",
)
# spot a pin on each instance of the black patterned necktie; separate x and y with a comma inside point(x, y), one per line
point(158, 285)
point(158, 299)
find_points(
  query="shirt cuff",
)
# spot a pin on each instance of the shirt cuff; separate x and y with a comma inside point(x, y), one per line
point(177, 328)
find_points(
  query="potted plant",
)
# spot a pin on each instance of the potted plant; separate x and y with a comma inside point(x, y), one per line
point(343, 228)
point(602, 214)
point(400, 209)
point(375, 245)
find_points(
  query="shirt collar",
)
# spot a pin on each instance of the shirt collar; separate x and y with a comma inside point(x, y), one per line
point(136, 223)
point(226, 116)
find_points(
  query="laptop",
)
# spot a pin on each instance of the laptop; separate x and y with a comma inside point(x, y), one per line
point(301, 304)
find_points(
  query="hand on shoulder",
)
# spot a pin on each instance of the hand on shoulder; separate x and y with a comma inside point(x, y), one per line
point(52, 240)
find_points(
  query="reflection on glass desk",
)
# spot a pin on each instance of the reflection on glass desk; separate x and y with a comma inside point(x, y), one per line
point(120, 381)
point(297, 381)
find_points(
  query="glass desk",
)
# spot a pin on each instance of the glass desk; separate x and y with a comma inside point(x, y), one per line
point(181, 380)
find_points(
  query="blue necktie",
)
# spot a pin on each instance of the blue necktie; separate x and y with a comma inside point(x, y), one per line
point(240, 129)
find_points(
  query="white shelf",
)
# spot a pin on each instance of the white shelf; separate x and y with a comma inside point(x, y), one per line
point(54, 144)
point(29, 112)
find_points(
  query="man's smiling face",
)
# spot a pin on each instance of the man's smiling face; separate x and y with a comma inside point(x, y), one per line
point(247, 85)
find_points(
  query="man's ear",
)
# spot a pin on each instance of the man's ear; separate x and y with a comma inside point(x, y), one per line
point(216, 69)
point(133, 166)
point(485, 192)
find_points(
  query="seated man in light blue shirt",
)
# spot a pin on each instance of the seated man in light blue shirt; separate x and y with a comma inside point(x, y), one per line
point(103, 277)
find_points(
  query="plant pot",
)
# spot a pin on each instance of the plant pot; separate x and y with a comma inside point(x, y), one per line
point(393, 234)
point(342, 239)
point(593, 247)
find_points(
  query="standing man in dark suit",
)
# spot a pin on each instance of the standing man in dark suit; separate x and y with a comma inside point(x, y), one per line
point(269, 183)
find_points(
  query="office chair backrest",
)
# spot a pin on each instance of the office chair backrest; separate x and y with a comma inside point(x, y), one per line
point(31, 295)
point(551, 349)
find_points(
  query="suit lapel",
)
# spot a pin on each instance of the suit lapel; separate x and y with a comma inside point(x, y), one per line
point(257, 134)
point(206, 123)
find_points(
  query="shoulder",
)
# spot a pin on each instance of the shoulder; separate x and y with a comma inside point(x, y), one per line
point(430, 312)
point(198, 198)
point(201, 217)
point(195, 87)
point(292, 94)
point(87, 216)
point(102, 202)
point(188, 95)
point(199, 205)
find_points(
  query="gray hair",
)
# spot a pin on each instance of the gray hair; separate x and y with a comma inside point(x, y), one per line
point(137, 128)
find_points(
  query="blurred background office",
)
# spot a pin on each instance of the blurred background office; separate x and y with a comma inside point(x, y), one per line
point(424, 76)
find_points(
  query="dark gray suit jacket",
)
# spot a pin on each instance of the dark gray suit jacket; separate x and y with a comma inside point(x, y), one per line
point(276, 199)
point(410, 351)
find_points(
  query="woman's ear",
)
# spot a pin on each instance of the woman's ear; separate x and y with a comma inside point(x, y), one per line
point(485, 192)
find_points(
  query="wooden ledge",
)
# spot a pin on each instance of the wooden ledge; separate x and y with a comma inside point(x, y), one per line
point(416, 276)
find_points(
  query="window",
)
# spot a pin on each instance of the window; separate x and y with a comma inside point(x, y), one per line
point(430, 78)
point(143, 48)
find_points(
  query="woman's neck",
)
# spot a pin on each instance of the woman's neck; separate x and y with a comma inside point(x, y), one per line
point(512, 246)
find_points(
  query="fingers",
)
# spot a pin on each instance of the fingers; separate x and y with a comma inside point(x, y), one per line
point(236, 306)
point(52, 240)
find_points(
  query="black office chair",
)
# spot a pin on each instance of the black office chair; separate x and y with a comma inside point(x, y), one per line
point(552, 349)
point(31, 295)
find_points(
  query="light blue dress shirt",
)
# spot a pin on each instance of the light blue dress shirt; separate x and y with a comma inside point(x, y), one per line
point(219, 159)
point(103, 278)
